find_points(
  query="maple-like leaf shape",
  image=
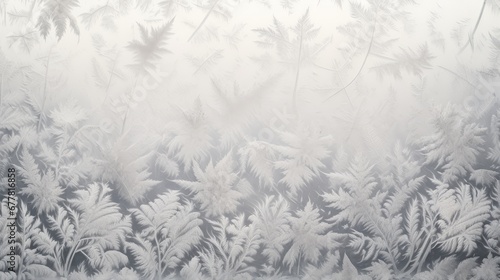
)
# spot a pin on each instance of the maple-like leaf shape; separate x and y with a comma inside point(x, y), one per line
point(310, 235)
point(192, 137)
point(218, 189)
point(303, 155)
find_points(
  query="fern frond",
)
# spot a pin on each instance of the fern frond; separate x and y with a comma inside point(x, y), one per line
point(144, 255)
point(167, 165)
point(35, 256)
point(414, 62)
point(465, 228)
point(205, 63)
point(8, 144)
point(90, 18)
point(494, 151)
point(455, 145)
point(259, 157)
point(272, 218)
point(310, 235)
point(14, 118)
point(484, 177)
point(126, 163)
point(192, 270)
point(57, 13)
point(303, 155)
point(100, 217)
point(354, 190)
point(276, 35)
point(232, 250)
point(25, 39)
point(170, 6)
point(151, 46)
point(169, 231)
point(44, 189)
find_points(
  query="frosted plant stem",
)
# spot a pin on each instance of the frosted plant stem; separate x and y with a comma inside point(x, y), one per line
point(426, 249)
point(297, 75)
point(1, 89)
point(471, 37)
point(4, 14)
point(298, 263)
point(426, 253)
point(44, 90)
point(345, 89)
point(159, 256)
point(458, 76)
point(69, 260)
point(204, 19)
point(124, 121)
point(128, 108)
point(110, 78)
point(362, 65)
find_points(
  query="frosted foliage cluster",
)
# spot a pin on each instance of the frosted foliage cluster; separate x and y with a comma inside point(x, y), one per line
point(250, 139)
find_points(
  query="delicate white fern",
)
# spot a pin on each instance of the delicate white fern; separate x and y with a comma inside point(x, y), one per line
point(272, 218)
point(310, 235)
point(169, 230)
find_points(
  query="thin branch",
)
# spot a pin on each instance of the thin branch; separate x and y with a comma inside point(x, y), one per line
point(297, 74)
point(362, 65)
point(471, 37)
point(110, 78)
point(204, 19)
point(44, 89)
point(460, 77)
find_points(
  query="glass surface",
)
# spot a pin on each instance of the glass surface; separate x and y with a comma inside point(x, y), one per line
point(256, 139)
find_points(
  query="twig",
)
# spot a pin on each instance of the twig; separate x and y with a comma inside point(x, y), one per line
point(297, 74)
point(362, 65)
point(471, 37)
point(44, 90)
point(204, 19)
point(458, 76)
point(110, 78)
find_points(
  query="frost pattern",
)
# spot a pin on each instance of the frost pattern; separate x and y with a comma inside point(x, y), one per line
point(231, 139)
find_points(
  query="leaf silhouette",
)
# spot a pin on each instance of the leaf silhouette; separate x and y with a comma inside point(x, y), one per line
point(218, 189)
point(455, 145)
point(231, 251)
point(170, 229)
point(151, 46)
point(310, 235)
point(57, 13)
